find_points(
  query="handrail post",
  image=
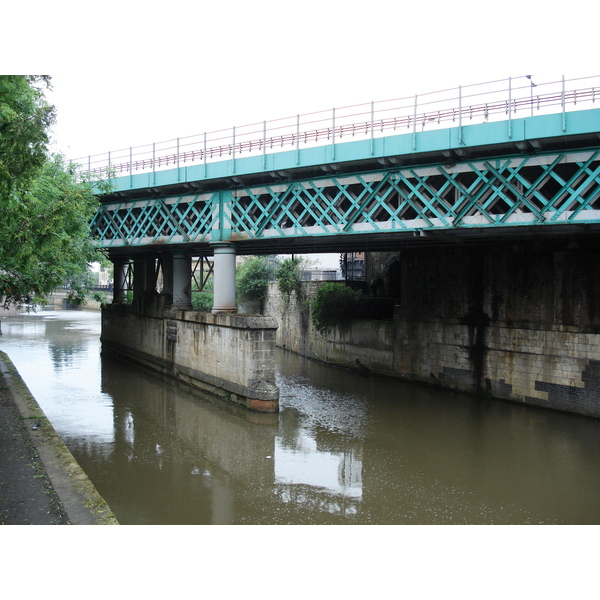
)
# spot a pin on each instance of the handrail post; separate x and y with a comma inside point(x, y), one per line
point(297, 139)
point(233, 155)
point(415, 124)
point(205, 167)
point(460, 129)
point(333, 134)
point(178, 172)
point(130, 166)
point(264, 144)
point(509, 108)
point(564, 107)
point(372, 127)
point(153, 163)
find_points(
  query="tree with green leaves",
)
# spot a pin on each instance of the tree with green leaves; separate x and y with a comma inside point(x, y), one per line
point(44, 224)
point(289, 276)
point(252, 279)
point(25, 121)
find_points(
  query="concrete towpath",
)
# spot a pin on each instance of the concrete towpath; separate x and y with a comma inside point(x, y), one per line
point(40, 481)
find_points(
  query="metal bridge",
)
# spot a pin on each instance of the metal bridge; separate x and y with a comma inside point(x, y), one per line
point(512, 157)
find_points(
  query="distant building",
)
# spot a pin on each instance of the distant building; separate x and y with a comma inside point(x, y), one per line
point(320, 275)
point(353, 266)
point(102, 275)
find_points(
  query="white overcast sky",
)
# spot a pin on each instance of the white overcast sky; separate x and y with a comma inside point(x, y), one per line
point(127, 73)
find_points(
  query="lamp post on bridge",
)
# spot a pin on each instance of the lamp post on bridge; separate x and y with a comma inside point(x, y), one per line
point(531, 92)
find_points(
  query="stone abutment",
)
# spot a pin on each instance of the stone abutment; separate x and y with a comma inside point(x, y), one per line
point(518, 321)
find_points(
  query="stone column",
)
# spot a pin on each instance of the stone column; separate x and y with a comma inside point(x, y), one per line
point(120, 280)
point(182, 281)
point(167, 274)
point(139, 278)
point(144, 278)
point(224, 277)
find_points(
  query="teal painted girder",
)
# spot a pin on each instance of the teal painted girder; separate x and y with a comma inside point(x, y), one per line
point(559, 188)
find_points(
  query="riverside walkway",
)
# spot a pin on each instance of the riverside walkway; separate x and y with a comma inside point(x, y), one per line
point(40, 481)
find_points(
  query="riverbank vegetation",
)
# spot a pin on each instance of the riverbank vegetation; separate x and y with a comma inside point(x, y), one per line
point(337, 305)
point(252, 279)
point(289, 276)
point(45, 210)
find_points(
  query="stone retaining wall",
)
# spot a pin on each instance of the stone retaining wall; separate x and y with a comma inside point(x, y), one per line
point(515, 321)
point(232, 356)
point(551, 368)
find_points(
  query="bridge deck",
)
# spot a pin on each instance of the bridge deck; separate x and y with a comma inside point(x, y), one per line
point(526, 176)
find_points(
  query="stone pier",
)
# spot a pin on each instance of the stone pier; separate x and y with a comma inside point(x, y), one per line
point(221, 352)
point(228, 355)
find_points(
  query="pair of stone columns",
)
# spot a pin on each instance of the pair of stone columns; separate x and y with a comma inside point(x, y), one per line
point(177, 279)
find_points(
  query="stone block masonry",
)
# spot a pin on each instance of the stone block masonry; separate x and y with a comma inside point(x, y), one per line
point(521, 365)
point(365, 345)
point(518, 321)
point(231, 356)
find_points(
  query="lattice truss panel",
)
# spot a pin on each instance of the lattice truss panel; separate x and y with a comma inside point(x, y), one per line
point(508, 192)
point(166, 220)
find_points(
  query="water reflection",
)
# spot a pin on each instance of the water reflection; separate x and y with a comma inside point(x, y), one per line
point(57, 354)
point(304, 463)
point(345, 448)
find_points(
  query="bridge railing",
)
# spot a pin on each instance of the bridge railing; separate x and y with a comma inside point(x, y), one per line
point(500, 100)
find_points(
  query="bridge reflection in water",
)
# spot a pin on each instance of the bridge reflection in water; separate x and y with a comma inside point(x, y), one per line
point(344, 448)
point(209, 463)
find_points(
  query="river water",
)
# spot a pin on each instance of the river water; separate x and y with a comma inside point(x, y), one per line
point(344, 449)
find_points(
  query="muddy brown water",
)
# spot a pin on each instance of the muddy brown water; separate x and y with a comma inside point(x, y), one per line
point(344, 449)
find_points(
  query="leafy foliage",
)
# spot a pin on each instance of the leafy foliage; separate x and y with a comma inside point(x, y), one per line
point(252, 278)
point(25, 119)
point(45, 211)
point(289, 276)
point(204, 300)
point(101, 297)
point(335, 305)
